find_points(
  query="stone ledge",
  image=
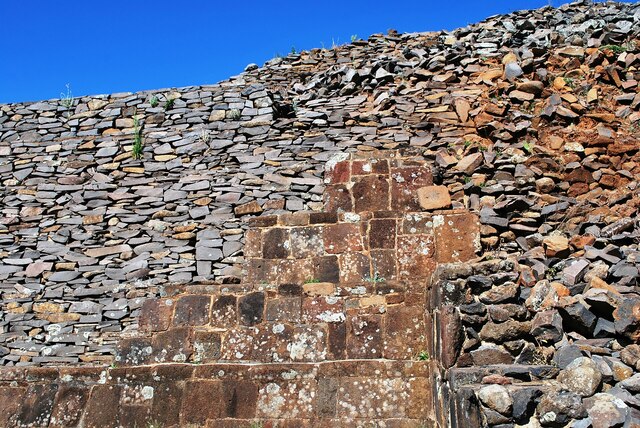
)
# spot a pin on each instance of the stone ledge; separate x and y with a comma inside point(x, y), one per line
point(304, 394)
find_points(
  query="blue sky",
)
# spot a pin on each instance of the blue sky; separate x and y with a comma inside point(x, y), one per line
point(121, 46)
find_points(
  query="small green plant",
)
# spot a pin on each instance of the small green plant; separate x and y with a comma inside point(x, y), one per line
point(467, 179)
point(66, 99)
point(136, 151)
point(204, 136)
point(113, 365)
point(375, 279)
point(256, 424)
point(154, 424)
point(617, 49)
point(311, 281)
point(169, 103)
point(528, 147)
point(154, 101)
point(570, 82)
point(293, 50)
point(424, 356)
point(467, 143)
point(354, 38)
point(235, 114)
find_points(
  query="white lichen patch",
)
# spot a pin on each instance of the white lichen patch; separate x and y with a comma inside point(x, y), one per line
point(438, 220)
point(351, 217)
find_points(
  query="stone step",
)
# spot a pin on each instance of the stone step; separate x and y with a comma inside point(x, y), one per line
point(349, 247)
point(289, 322)
point(321, 394)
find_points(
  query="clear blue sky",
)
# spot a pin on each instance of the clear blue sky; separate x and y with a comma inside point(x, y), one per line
point(119, 46)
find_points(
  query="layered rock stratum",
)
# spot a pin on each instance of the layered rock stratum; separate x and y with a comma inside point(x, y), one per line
point(529, 122)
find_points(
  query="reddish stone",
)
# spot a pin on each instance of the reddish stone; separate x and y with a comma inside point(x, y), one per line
point(290, 289)
point(421, 401)
point(167, 400)
point(223, 311)
point(577, 189)
point(339, 173)
point(238, 344)
point(434, 197)
point(136, 415)
point(354, 267)
point(68, 405)
point(451, 335)
point(323, 217)
point(337, 343)
point(258, 270)
point(192, 310)
point(206, 346)
point(284, 309)
point(239, 399)
point(327, 397)
point(270, 341)
point(364, 336)
point(293, 271)
point(252, 207)
point(404, 332)
point(337, 198)
point(327, 269)
point(172, 345)
point(382, 233)
point(579, 175)
point(263, 221)
point(415, 257)
point(251, 308)
point(371, 193)
point(133, 351)
point(343, 237)
point(294, 219)
point(405, 182)
point(10, 401)
point(457, 237)
point(155, 315)
point(102, 409)
point(275, 243)
point(322, 309)
point(380, 166)
point(307, 242)
point(253, 243)
point(383, 263)
point(417, 223)
point(201, 401)
point(308, 343)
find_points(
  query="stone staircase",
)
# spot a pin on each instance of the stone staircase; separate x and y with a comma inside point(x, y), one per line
point(333, 325)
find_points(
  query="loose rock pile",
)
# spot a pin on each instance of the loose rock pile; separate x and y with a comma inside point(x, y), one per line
point(529, 119)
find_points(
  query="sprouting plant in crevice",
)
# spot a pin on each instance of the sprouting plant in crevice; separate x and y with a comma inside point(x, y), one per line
point(256, 424)
point(66, 99)
point(293, 50)
point(423, 356)
point(570, 82)
point(311, 281)
point(375, 278)
point(354, 38)
point(617, 49)
point(169, 103)
point(235, 114)
point(528, 147)
point(204, 136)
point(136, 150)
point(154, 101)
